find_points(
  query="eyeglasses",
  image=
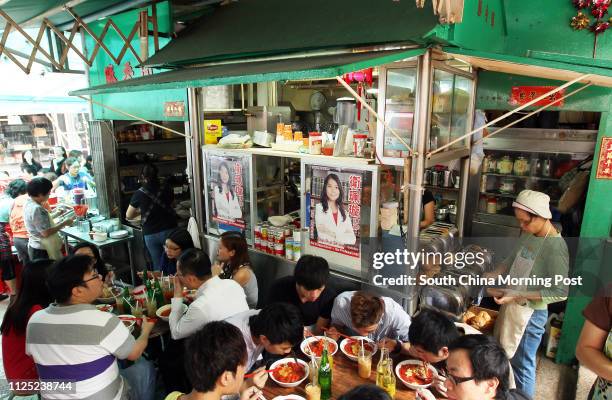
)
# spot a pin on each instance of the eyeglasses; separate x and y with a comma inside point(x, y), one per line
point(96, 275)
point(456, 380)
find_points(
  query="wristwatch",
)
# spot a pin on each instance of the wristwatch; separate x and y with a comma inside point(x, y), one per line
point(398, 347)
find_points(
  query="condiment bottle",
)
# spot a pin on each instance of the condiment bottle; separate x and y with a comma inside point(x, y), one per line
point(492, 205)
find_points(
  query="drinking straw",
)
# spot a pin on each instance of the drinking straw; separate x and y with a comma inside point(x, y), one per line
point(127, 301)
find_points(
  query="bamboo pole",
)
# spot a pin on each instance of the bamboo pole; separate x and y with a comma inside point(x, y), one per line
point(555, 90)
point(134, 116)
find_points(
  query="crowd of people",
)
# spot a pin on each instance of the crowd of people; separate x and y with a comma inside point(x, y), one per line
point(53, 331)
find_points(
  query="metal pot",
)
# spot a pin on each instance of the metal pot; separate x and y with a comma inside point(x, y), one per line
point(449, 300)
point(441, 214)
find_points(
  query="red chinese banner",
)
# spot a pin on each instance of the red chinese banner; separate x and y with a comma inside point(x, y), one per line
point(604, 164)
point(524, 94)
point(335, 209)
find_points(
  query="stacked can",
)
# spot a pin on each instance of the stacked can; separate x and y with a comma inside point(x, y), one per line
point(279, 241)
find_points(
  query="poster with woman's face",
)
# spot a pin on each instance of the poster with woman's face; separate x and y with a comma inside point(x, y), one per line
point(227, 190)
point(335, 209)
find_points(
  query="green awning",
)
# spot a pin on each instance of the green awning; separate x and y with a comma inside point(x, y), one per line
point(257, 28)
point(535, 67)
point(301, 68)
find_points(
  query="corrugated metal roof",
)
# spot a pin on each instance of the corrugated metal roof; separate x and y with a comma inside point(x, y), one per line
point(260, 71)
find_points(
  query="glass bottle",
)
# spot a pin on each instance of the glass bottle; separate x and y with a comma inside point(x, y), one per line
point(382, 366)
point(159, 294)
point(325, 376)
point(126, 297)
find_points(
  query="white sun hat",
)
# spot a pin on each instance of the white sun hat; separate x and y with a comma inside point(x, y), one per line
point(534, 202)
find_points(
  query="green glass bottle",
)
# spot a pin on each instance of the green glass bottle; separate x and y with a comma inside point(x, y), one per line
point(325, 376)
point(147, 282)
point(159, 295)
point(126, 297)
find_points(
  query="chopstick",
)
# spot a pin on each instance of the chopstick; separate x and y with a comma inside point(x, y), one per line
point(339, 333)
point(268, 371)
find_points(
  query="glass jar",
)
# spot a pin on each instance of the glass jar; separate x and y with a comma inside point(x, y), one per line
point(521, 166)
point(492, 205)
point(505, 165)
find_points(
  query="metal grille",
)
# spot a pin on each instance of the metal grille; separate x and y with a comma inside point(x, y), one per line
point(103, 153)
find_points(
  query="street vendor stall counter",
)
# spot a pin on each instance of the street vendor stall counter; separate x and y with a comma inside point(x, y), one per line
point(246, 188)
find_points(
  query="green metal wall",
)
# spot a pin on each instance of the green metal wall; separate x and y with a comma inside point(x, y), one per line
point(493, 93)
point(147, 105)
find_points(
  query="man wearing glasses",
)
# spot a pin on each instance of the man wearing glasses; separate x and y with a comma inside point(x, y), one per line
point(73, 342)
point(477, 368)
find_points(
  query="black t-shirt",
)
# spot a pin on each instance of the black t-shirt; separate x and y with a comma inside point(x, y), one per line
point(159, 219)
point(283, 290)
point(427, 197)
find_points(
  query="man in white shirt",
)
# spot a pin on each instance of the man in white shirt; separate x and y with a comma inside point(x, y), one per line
point(216, 299)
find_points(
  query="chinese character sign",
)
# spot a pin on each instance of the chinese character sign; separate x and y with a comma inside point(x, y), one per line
point(335, 209)
point(604, 164)
point(227, 191)
point(524, 94)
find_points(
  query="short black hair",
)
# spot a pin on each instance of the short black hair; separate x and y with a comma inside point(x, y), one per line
point(488, 358)
point(432, 331)
point(365, 392)
point(70, 161)
point(16, 188)
point(182, 238)
point(75, 153)
point(66, 274)
point(39, 186)
point(279, 322)
point(194, 262)
point(311, 272)
point(216, 348)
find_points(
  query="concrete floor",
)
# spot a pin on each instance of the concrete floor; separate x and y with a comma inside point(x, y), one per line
point(554, 381)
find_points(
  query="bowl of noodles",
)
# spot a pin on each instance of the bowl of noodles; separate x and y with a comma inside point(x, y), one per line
point(289, 373)
point(350, 346)
point(316, 344)
point(414, 374)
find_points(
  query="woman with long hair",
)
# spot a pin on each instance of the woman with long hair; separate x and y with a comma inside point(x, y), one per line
point(13, 190)
point(153, 202)
point(234, 263)
point(176, 243)
point(27, 158)
point(226, 201)
point(33, 296)
point(88, 249)
point(59, 158)
point(332, 221)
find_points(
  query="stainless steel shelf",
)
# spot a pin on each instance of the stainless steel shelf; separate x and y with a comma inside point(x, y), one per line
point(522, 176)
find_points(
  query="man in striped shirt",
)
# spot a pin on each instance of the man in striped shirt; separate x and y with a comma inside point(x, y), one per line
point(364, 314)
point(72, 341)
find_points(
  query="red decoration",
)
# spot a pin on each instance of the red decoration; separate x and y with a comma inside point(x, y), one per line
point(524, 94)
point(580, 4)
point(128, 71)
point(599, 27)
point(109, 73)
point(604, 163)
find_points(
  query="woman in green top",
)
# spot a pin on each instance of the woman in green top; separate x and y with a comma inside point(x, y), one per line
point(541, 253)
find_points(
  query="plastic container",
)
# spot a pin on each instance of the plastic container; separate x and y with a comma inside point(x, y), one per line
point(359, 145)
point(315, 143)
point(492, 205)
